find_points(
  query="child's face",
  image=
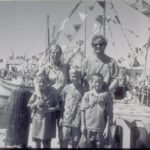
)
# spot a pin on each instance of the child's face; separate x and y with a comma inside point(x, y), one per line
point(97, 83)
point(73, 78)
point(42, 83)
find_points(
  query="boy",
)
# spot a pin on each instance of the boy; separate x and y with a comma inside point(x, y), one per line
point(70, 111)
point(95, 114)
point(43, 121)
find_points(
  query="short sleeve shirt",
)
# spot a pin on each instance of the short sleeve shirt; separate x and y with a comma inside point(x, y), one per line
point(109, 69)
point(57, 75)
point(71, 103)
point(95, 115)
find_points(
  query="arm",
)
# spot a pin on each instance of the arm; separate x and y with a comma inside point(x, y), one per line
point(106, 130)
point(108, 113)
point(83, 108)
point(83, 125)
point(115, 72)
point(113, 85)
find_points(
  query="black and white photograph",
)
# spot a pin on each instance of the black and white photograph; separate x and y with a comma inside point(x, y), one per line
point(75, 74)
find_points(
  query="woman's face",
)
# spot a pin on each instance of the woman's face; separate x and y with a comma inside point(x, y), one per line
point(55, 54)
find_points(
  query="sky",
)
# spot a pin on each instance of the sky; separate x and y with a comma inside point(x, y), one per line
point(23, 25)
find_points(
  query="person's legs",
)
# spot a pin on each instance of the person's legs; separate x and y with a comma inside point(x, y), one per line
point(46, 143)
point(66, 136)
point(99, 140)
point(37, 143)
point(75, 133)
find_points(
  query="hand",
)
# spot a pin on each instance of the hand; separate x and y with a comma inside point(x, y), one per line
point(60, 122)
point(105, 132)
point(102, 97)
point(32, 106)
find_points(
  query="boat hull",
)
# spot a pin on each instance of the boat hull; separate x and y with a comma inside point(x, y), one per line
point(7, 86)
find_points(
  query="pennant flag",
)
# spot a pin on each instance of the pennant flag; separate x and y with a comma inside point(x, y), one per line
point(77, 27)
point(108, 18)
point(113, 44)
point(100, 19)
point(80, 42)
point(112, 6)
point(101, 3)
point(69, 37)
point(74, 9)
point(136, 50)
point(91, 7)
point(64, 47)
point(63, 24)
point(95, 28)
point(114, 21)
point(135, 63)
point(117, 19)
point(119, 61)
point(82, 16)
point(130, 31)
point(129, 55)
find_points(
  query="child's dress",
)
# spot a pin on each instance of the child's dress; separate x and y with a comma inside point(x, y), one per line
point(44, 124)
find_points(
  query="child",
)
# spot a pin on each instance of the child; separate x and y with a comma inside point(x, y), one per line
point(70, 111)
point(95, 114)
point(44, 121)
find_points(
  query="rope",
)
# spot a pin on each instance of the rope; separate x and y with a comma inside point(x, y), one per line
point(122, 29)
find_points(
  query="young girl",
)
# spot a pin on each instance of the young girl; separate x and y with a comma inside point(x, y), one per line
point(44, 120)
point(95, 114)
point(70, 110)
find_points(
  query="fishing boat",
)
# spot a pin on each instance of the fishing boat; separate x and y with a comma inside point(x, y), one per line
point(12, 78)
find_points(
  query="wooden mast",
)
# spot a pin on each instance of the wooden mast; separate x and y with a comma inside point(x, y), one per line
point(104, 29)
point(48, 32)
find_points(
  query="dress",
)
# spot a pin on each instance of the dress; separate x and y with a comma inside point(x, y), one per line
point(44, 124)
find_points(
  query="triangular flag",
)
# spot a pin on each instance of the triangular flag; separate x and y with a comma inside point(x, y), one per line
point(69, 37)
point(136, 50)
point(117, 19)
point(101, 3)
point(119, 61)
point(95, 28)
point(91, 7)
point(130, 31)
point(63, 24)
point(135, 63)
point(100, 19)
point(82, 16)
point(113, 44)
point(77, 27)
point(64, 47)
point(80, 42)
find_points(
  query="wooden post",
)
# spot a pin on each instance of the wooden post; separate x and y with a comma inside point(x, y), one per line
point(126, 133)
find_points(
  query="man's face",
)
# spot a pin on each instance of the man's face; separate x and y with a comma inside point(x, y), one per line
point(55, 54)
point(98, 46)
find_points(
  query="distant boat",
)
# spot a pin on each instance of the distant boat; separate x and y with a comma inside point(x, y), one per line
point(24, 80)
